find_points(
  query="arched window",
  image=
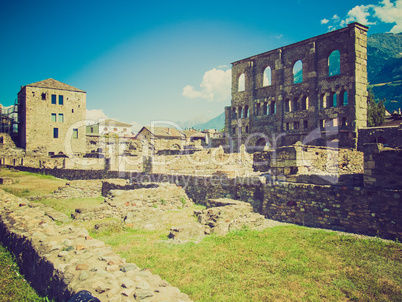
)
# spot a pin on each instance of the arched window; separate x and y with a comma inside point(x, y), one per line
point(272, 108)
point(345, 98)
point(323, 103)
point(267, 77)
point(245, 112)
point(242, 82)
point(334, 63)
point(298, 72)
point(304, 103)
point(294, 106)
point(287, 105)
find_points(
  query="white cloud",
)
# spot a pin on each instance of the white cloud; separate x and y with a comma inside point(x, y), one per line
point(95, 115)
point(359, 14)
point(215, 86)
point(390, 13)
point(385, 11)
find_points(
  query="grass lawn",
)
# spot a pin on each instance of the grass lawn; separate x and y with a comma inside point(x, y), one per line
point(30, 184)
point(13, 286)
point(283, 263)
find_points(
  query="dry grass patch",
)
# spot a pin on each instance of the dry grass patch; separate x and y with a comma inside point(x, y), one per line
point(30, 184)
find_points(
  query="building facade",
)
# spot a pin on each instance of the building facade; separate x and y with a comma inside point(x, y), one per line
point(52, 118)
point(313, 91)
point(110, 126)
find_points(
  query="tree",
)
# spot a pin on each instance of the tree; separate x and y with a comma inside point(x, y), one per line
point(375, 112)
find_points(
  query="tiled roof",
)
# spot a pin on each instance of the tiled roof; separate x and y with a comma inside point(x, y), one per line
point(110, 122)
point(54, 84)
point(164, 131)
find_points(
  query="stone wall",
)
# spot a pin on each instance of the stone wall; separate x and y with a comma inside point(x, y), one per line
point(59, 261)
point(332, 106)
point(382, 167)
point(37, 124)
point(390, 136)
point(310, 164)
point(375, 212)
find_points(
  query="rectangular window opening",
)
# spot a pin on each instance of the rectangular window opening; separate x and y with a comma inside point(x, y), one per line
point(75, 133)
point(61, 118)
point(53, 115)
point(61, 100)
point(55, 132)
point(54, 99)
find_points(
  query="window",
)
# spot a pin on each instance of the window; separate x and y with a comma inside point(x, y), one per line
point(294, 105)
point(335, 122)
point(234, 130)
point(246, 129)
point(334, 100)
point(334, 63)
point(322, 101)
point(242, 82)
point(344, 122)
point(55, 132)
point(345, 98)
point(266, 81)
point(61, 100)
point(305, 124)
point(304, 103)
point(72, 110)
point(92, 129)
point(61, 118)
point(53, 115)
point(75, 133)
point(287, 105)
point(43, 96)
point(51, 153)
point(296, 125)
point(245, 112)
point(53, 99)
point(298, 72)
point(287, 126)
point(322, 124)
point(272, 108)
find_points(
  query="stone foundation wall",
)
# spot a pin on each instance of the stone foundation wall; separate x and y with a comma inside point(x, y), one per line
point(382, 167)
point(340, 207)
point(60, 261)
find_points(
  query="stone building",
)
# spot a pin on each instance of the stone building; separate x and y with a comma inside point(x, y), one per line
point(161, 138)
point(313, 91)
point(52, 118)
point(109, 126)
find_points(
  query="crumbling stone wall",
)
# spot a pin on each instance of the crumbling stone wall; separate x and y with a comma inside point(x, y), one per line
point(382, 167)
point(60, 261)
point(390, 136)
point(311, 164)
point(300, 109)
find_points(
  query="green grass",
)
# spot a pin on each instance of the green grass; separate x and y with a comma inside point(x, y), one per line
point(13, 286)
point(68, 205)
point(286, 263)
point(30, 184)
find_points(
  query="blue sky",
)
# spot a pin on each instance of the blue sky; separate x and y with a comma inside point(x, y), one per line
point(140, 61)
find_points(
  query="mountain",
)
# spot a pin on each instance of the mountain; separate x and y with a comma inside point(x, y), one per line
point(194, 121)
point(384, 68)
point(217, 123)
